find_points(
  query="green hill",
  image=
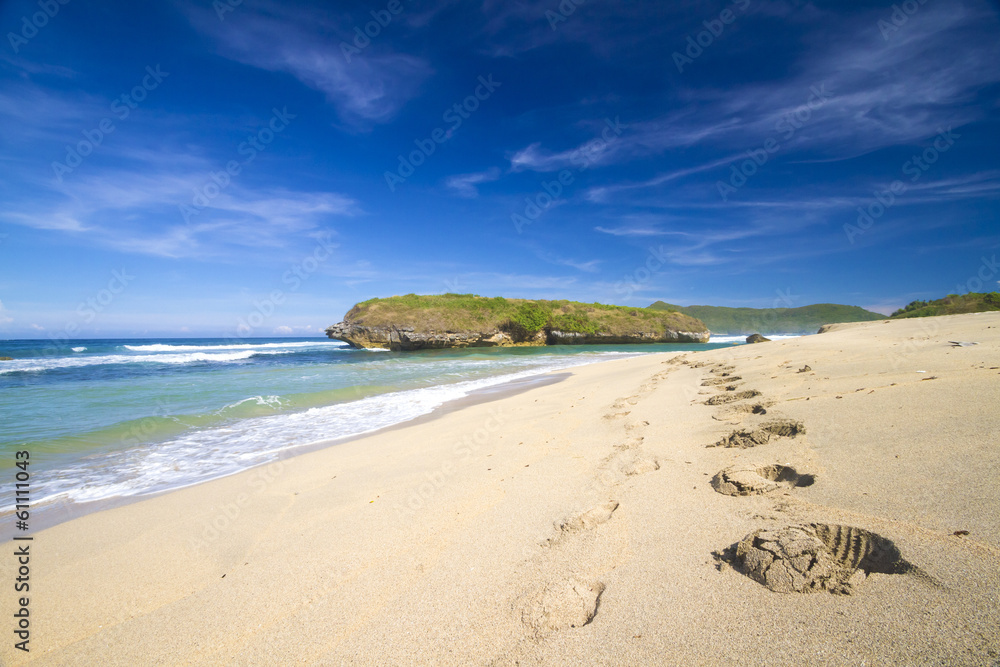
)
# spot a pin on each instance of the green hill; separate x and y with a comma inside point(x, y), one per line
point(522, 317)
point(806, 319)
point(953, 304)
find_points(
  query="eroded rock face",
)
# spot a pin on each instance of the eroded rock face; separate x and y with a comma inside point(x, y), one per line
point(815, 557)
point(407, 338)
point(757, 338)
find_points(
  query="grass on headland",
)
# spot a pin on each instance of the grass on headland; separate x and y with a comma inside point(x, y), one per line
point(522, 318)
point(953, 304)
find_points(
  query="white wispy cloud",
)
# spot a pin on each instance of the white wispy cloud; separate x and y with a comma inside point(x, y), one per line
point(33, 113)
point(297, 330)
point(372, 87)
point(967, 186)
point(879, 93)
point(535, 158)
point(602, 193)
point(598, 150)
point(464, 185)
point(874, 93)
point(50, 219)
point(630, 231)
point(139, 212)
point(588, 266)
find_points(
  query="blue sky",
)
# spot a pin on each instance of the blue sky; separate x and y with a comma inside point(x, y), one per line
point(256, 168)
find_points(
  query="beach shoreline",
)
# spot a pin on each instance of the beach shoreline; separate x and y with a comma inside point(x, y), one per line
point(53, 514)
point(573, 522)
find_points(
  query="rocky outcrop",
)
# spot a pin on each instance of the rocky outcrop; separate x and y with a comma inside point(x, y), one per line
point(757, 338)
point(408, 338)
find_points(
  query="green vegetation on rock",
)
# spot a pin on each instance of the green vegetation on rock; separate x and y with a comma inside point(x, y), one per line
point(953, 304)
point(521, 318)
point(806, 319)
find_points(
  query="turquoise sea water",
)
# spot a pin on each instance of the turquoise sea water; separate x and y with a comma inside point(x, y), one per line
point(109, 418)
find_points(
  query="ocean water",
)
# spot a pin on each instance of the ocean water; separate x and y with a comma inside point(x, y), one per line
point(105, 419)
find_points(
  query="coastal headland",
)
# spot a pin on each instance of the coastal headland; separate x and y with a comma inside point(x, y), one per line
point(829, 499)
point(417, 322)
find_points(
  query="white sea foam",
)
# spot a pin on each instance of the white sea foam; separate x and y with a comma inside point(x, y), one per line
point(205, 454)
point(163, 347)
point(79, 349)
point(269, 401)
point(47, 364)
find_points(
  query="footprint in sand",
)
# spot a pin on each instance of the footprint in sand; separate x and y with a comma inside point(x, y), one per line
point(621, 465)
point(639, 425)
point(754, 408)
point(637, 464)
point(755, 480)
point(622, 402)
point(738, 413)
point(818, 556)
point(720, 380)
point(745, 438)
point(732, 396)
point(617, 415)
point(571, 603)
point(633, 443)
point(592, 518)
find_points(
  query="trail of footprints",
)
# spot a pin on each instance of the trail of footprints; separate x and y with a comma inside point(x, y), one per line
point(748, 480)
point(797, 558)
point(573, 601)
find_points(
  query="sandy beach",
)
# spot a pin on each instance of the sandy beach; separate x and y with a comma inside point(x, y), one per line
point(577, 523)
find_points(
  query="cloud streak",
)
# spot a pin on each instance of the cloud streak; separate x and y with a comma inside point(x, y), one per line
point(464, 185)
point(372, 88)
point(138, 213)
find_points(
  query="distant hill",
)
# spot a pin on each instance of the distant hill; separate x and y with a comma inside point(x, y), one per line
point(806, 319)
point(953, 304)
